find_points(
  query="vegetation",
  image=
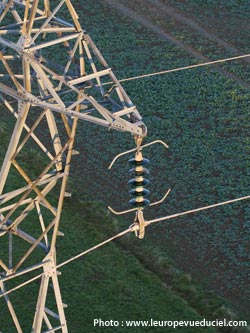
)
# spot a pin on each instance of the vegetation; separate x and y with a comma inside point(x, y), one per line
point(117, 281)
point(203, 116)
point(108, 284)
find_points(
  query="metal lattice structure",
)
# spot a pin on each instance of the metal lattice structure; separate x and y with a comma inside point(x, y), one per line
point(52, 75)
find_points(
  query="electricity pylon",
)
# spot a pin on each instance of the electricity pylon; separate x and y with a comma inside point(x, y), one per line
point(52, 75)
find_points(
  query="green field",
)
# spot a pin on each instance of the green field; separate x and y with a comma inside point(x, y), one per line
point(188, 268)
point(202, 114)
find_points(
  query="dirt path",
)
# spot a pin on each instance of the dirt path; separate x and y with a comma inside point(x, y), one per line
point(179, 16)
point(167, 36)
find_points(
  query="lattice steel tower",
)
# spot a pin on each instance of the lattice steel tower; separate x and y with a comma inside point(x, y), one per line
point(52, 75)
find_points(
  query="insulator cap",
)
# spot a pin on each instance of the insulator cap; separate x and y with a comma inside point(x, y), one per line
point(139, 203)
point(139, 171)
point(139, 192)
point(135, 162)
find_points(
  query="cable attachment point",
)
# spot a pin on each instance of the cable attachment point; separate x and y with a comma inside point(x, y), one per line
point(138, 142)
point(139, 220)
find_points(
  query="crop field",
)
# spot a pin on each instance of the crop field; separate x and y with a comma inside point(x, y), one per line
point(203, 114)
point(193, 266)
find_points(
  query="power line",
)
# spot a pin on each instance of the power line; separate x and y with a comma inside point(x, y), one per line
point(196, 210)
point(184, 68)
point(132, 228)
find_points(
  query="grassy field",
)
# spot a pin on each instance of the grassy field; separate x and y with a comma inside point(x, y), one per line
point(203, 115)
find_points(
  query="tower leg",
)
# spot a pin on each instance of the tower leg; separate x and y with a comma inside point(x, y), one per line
point(42, 312)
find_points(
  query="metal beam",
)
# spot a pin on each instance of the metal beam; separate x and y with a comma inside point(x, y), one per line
point(42, 86)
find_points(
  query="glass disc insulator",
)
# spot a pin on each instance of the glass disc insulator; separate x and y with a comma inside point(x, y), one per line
point(139, 171)
point(139, 204)
point(139, 182)
point(139, 192)
point(134, 162)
